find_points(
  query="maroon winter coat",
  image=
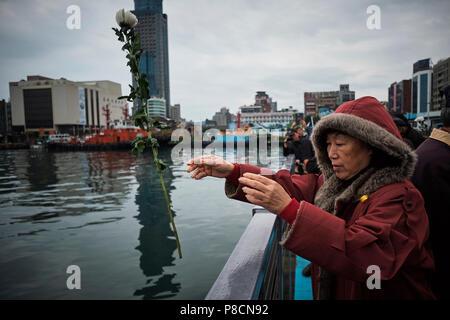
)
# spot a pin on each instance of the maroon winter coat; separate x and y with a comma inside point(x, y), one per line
point(388, 228)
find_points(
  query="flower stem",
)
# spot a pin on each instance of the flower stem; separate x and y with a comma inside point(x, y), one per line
point(155, 157)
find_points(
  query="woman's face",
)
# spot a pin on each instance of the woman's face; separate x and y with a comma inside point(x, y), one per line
point(348, 155)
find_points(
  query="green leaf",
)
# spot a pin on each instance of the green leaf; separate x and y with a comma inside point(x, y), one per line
point(153, 142)
point(160, 164)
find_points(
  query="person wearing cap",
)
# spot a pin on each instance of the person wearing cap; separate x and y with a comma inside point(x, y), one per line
point(410, 135)
point(432, 178)
point(362, 213)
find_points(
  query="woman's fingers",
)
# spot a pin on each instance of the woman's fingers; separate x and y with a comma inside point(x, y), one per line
point(257, 177)
point(254, 193)
point(192, 167)
point(253, 183)
point(254, 200)
point(206, 159)
point(197, 172)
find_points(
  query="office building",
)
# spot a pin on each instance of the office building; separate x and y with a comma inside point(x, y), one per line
point(152, 28)
point(251, 109)
point(156, 107)
point(441, 78)
point(5, 120)
point(421, 86)
point(222, 118)
point(399, 95)
point(263, 100)
point(326, 99)
point(60, 105)
point(175, 113)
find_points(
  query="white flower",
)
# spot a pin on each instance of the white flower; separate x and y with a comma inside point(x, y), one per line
point(126, 19)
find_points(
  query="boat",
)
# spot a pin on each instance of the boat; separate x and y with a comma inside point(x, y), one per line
point(37, 146)
point(118, 134)
point(118, 137)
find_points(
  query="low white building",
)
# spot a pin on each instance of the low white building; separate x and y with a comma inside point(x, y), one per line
point(156, 107)
point(268, 118)
point(60, 105)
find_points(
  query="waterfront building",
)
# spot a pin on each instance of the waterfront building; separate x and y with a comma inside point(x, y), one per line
point(268, 119)
point(326, 99)
point(222, 118)
point(400, 96)
point(60, 105)
point(156, 107)
point(421, 86)
point(5, 119)
point(263, 100)
point(175, 113)
point(441, 78)
point(152, 28)
point(209, 124)
point(251, 109)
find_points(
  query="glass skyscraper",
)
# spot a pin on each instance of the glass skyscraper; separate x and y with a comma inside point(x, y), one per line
point(152, 28)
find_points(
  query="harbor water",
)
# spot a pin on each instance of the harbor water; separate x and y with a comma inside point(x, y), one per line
point(105, 213)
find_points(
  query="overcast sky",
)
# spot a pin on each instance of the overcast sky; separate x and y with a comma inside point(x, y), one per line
point(222, 52)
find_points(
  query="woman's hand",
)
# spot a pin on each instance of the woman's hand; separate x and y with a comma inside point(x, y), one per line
point(209, 165)
point(264, 192)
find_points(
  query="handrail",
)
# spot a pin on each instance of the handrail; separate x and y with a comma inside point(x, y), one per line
point(259, 268)
point(241, 275)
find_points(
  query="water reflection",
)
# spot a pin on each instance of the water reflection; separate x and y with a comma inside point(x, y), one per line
point(157, 243)
point(43, 187)
point(41, 170)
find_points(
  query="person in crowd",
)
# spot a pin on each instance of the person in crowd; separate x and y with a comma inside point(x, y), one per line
point(361, 215)
point(410, 135)
point(301, 146)
point(432, 178)
point(289, 142)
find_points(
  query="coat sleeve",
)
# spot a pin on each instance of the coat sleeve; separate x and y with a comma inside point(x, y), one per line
point(394, 225)
point(300, 187)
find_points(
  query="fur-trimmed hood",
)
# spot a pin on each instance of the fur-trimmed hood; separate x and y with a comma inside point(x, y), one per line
point(367, 120)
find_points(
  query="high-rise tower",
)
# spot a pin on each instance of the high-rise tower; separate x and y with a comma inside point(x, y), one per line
point(152, 28)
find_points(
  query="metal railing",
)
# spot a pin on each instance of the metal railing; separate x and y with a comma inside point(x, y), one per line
point(258, 268)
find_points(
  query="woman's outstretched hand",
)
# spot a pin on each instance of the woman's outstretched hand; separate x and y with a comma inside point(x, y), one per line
point(264, 192)
point(209, 165)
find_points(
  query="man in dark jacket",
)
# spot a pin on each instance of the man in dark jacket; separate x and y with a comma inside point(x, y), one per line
point(432, 178)
point(410, 135)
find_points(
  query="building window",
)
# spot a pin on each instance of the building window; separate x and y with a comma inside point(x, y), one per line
point(414, 87)
point(38, 108)
point(424, 93)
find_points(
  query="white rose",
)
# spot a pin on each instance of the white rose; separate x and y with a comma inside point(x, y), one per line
point(126, 19)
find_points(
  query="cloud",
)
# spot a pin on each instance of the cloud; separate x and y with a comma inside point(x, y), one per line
point(222, 52)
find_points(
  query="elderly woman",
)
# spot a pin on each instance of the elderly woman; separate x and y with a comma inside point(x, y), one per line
point(362, 211)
